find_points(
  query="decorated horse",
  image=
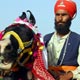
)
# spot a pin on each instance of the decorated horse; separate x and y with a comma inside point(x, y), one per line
point(22, 51)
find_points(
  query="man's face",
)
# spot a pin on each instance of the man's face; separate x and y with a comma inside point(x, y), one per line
point(62, 22)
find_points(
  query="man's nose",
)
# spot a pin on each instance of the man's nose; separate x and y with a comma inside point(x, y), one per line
point(60, 17)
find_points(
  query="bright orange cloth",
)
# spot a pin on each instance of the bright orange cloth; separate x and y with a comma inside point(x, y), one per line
point(67, 5)
point(62, 68)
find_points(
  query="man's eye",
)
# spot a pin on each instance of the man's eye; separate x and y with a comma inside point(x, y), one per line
point(64, 14)
point(57, 14)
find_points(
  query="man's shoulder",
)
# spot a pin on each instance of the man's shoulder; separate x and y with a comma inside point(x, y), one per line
point(47, 37)
point(75, 36)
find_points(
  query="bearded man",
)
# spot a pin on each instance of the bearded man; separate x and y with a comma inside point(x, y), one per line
point(63, 45)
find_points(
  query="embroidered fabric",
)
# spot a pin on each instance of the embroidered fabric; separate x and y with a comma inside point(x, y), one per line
point(39, 69)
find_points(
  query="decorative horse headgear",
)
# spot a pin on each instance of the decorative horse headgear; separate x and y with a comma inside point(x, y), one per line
point(39, 69)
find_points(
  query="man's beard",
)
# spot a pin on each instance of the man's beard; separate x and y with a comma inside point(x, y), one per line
point(63, 28)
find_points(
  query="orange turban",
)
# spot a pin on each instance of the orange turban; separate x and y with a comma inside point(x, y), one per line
point(67, 5)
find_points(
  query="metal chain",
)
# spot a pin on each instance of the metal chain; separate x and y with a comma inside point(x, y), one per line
point(64, 50)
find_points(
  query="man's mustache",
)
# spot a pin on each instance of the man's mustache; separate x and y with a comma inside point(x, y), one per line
point(61, 22)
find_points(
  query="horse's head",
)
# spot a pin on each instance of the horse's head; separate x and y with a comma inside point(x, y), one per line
point(18, 39)
point(19, 45)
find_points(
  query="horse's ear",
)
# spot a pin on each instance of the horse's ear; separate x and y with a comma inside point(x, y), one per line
point(31, 18)
point(23, 16)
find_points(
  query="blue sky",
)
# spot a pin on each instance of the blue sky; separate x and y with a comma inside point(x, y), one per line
point(42, 10)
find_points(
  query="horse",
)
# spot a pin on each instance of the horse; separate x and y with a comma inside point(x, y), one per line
point(21, 51)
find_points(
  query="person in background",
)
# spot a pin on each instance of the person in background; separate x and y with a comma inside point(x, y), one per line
point(63, 45)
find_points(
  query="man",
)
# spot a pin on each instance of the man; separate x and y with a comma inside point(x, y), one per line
point(63, 45)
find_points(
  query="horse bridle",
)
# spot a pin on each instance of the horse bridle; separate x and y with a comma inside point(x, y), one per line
point(22, 47)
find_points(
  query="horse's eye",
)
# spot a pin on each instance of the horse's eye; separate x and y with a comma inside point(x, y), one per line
point(9, 47)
